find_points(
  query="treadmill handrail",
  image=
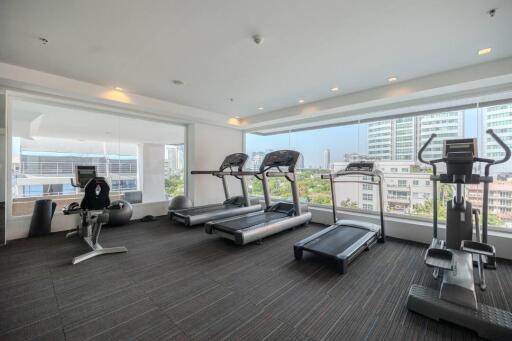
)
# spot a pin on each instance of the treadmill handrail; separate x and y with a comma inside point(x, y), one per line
point(245, 173)
point(375, 173)
point(341, 173)
point(233, 173)
point(277, 174)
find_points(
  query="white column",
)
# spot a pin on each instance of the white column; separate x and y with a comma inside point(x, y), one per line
point(207, 146)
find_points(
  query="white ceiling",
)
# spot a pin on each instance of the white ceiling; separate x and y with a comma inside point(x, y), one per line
point(309, 46)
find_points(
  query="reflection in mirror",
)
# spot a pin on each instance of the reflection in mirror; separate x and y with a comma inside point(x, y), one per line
point(2, 168)
point(49, 141)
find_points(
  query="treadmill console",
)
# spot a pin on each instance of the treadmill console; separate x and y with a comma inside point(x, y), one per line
point(236, 160)
point(280, 158)
point(366, 166)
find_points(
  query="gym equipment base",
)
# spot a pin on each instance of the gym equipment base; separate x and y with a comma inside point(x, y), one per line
point(488, 322)
point(97, 249)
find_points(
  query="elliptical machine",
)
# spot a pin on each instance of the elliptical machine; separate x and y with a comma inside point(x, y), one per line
point(455, 257)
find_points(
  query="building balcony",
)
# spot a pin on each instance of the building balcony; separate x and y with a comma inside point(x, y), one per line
point(66, 169)
point(403, 200)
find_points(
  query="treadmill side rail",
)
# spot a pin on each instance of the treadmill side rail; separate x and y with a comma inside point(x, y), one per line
point(257, 232)
point(222, 211)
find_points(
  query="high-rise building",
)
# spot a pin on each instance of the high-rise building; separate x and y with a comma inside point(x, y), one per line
point(404, 146)
point(326, 160)
point(400, 139)
point(405, 186)
point(380, 137)
point(445, 125)
point(498, 118)
point(256, 159)
point(175, 157)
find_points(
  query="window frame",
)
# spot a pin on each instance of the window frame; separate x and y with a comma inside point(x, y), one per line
point(376, 130)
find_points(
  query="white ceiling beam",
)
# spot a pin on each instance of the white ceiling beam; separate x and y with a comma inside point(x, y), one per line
point(472, 81)
point(41, 83)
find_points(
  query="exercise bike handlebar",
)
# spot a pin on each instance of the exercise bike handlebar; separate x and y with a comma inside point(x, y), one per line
point(420, 154)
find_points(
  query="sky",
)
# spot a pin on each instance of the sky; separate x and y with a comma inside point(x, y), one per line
point(340, 140)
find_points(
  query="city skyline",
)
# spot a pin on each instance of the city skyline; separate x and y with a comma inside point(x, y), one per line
point(313, 143)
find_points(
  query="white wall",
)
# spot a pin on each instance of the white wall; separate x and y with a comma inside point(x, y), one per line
point(207, 146)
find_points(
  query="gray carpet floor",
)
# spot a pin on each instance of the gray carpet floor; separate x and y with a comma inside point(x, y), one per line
point(180, 283)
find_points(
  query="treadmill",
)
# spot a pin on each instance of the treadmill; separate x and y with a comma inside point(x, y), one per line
point(232, 206)
point(276, 217)
point(346, 239)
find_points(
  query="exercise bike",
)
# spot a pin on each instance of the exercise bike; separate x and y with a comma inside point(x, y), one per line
point(456, 256)
point(93, 212)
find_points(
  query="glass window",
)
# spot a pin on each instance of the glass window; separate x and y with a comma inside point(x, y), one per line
point(393, 144)
point(367, 196)
point(174, 170)
point(49, 141)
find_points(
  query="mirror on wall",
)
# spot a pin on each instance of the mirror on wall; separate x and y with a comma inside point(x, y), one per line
point(142, 159)
point(2, 169)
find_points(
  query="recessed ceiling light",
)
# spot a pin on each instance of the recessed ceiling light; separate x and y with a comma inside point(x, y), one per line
point(301, 101)
point(177, 82)
point(334, 89)
point(392, 79)
point(261, 108)
point(118, 88)
point(487, 50)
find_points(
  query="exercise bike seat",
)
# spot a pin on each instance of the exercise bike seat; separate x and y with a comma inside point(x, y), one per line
point(439, 258)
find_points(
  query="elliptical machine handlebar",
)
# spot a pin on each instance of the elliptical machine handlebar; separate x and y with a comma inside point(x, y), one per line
point(420, 153)
point(502, 145)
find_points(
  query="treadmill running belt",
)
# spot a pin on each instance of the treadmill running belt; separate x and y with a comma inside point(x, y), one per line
point(337, 240)
point(249, 221)
point(201, 210)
